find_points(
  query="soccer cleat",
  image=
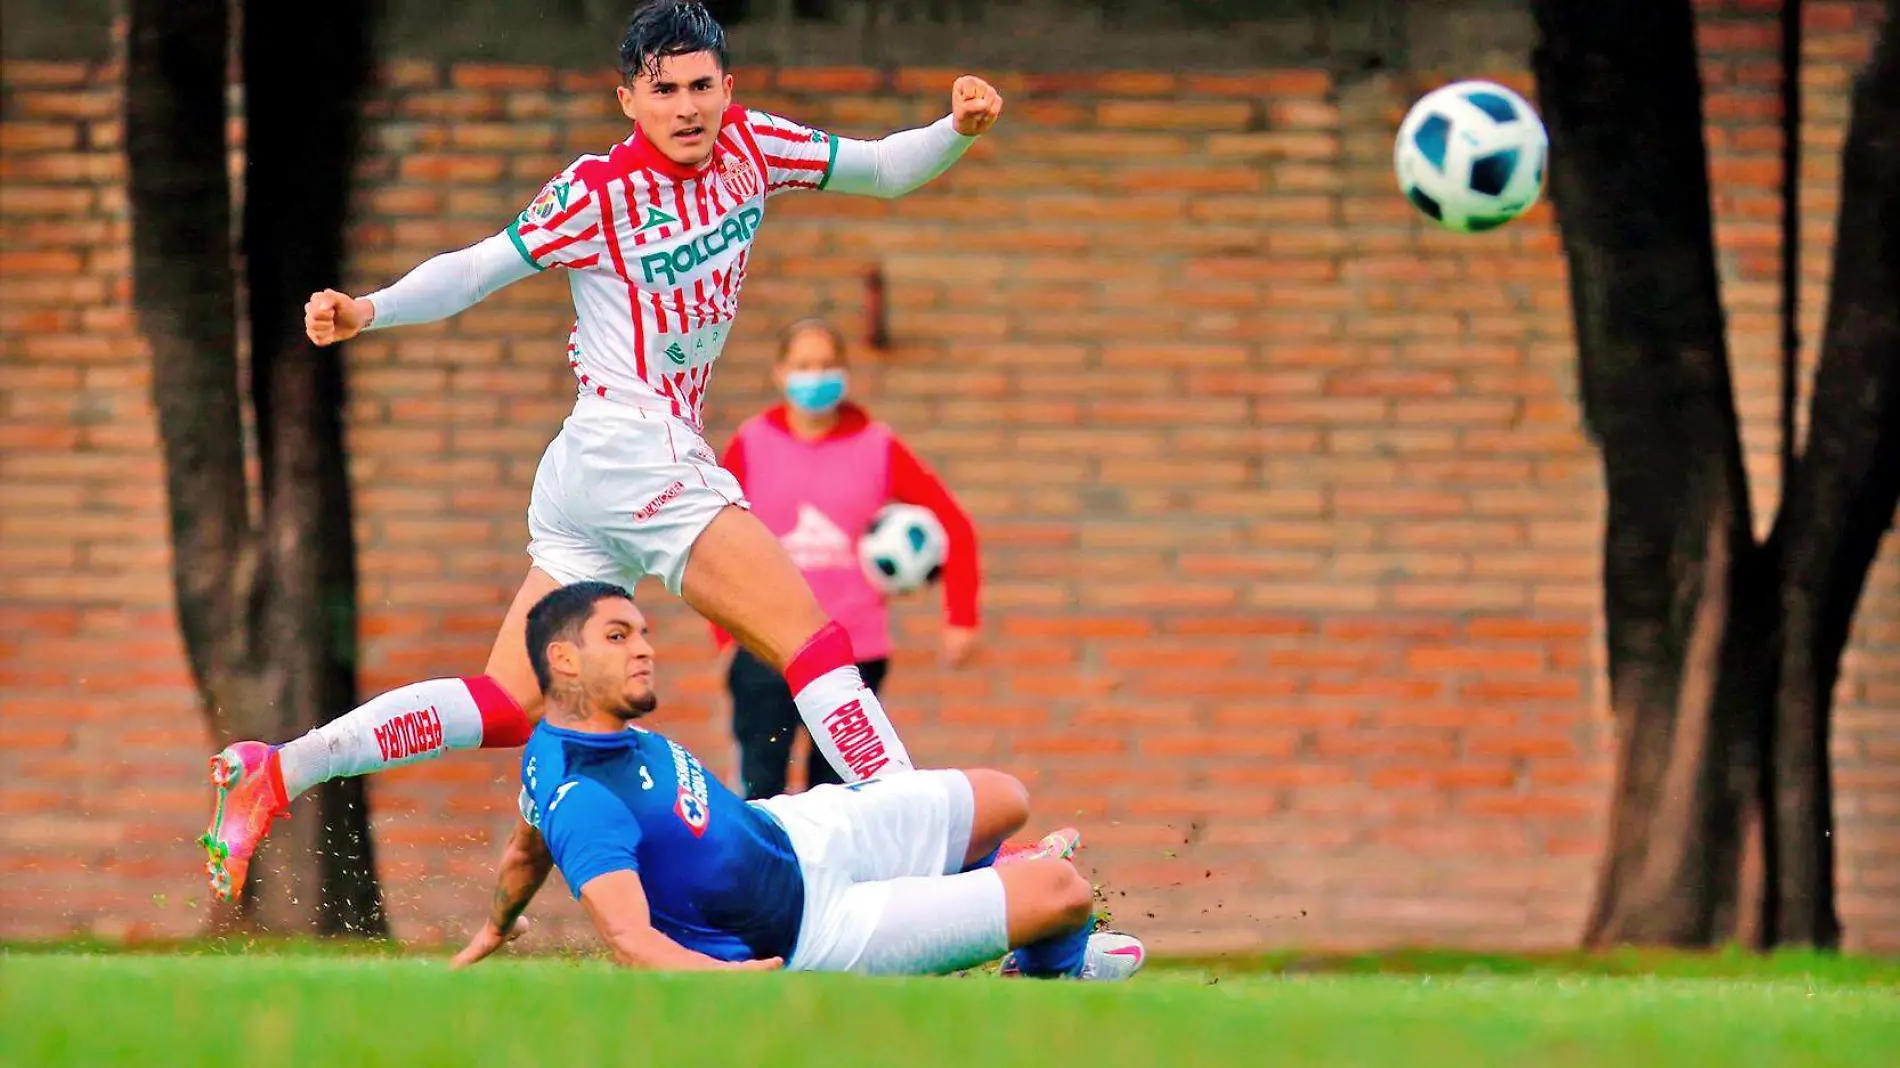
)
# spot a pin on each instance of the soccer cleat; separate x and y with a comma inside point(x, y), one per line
point(1111, 956)
point(1059, 845)
point(249, 785)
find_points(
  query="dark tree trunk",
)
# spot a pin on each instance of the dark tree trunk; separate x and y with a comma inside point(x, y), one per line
point(1683, 583)
point(304, 84)
point(185, 290)
point(1841, 498)
point(267, 610)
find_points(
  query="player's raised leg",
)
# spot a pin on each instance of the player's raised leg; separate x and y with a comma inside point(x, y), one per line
point(739, 577)
point(254, 782)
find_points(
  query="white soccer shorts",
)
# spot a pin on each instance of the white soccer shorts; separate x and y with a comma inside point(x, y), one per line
point(882, 893)
point(621, 494)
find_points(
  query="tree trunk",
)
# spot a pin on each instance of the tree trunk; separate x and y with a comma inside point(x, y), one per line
point(185, 292)
point(267, 615)
point(1683, 583)
point(184, 289)
point(1841, 498)
point(304, 84)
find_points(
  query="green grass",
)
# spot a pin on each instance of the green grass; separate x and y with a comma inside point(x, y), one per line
point(317, 1006)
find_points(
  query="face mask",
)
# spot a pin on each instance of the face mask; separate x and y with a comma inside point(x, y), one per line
point(815, 392)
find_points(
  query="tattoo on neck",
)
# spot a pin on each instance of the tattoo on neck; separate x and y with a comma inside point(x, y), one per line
point(564, 705)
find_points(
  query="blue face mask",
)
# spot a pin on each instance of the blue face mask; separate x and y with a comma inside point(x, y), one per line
point(815, 392)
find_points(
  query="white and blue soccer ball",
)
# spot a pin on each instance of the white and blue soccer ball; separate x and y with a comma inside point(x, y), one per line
point(1470, 156)
point(904, 550)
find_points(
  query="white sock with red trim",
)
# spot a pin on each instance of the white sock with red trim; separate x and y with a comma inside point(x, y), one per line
point(846, 721)
point(403, 726)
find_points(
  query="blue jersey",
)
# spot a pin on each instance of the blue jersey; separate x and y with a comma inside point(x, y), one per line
point(720, 875)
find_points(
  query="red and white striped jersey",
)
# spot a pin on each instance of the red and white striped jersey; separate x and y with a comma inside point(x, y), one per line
point(657, 252)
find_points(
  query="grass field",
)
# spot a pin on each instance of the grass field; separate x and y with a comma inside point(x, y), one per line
point(372, 1010)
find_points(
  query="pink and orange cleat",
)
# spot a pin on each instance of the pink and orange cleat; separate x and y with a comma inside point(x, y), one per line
point(1060, 845)
point(249, 785)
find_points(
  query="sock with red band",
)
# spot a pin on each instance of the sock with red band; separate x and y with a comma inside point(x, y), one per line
point(405, 725)
point(846, 721)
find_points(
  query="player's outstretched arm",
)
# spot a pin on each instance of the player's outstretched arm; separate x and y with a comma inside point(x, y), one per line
point(617, 903)
point(442, 286)
point(525, 864)
point(894, 165)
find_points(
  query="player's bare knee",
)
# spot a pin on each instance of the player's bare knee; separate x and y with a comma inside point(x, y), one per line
point(1001, 804)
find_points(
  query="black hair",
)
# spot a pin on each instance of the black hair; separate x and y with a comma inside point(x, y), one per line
point(559, 617)
point(666, 28)
point(815, 324)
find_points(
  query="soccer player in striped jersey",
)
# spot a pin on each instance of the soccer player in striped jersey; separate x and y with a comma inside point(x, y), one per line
point(655, 236)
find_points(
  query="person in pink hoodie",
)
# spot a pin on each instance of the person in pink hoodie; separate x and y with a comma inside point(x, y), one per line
point(816, 469)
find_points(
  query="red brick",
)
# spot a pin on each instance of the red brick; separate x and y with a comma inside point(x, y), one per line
point(18, 72)
point(1270, 83)
point(1172, 115)
point(1116, 83)
point(66, 104)
point(834, 80)
point(499, 76)
point(1277, 145)
point(37, 136)
point(452, 168)
point(1474, 659)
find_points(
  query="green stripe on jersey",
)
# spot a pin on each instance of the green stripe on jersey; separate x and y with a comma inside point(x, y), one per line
point(514, 234)
point(831, 162)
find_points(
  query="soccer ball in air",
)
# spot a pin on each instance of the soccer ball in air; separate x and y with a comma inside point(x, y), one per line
point(1470, 156)
point(904, 549)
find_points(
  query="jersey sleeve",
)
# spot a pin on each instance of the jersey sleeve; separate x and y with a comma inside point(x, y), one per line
point(560, 227)
point(796, 156)
point(589, 833)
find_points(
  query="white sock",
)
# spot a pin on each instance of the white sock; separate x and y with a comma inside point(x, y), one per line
point(935, 925)
point(849, 726)
point(408, 724)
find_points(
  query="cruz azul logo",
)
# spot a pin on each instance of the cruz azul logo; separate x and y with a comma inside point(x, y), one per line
point(668, 265)
point(694, 807)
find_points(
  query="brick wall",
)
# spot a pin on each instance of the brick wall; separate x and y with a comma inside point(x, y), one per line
point(1290, 533)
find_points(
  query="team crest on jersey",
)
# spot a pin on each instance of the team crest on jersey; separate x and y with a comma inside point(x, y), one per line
point(738, 175)
point(692, 812)
point(694, 807)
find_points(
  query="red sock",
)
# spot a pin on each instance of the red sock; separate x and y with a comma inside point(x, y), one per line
point(846, 722)
point(504, 724)
point(825, 651)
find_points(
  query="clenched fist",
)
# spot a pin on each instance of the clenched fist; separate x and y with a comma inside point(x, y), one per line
point(330, 317)
point(974, 105)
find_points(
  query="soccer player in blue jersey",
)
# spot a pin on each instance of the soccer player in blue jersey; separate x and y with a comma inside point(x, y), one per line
point(893, 875)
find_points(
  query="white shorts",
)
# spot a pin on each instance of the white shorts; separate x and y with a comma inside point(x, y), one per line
point(882, 891)
point(622, 494)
